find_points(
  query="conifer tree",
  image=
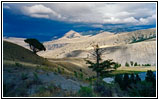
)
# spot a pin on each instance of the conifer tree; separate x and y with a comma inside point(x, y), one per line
point(99, 66)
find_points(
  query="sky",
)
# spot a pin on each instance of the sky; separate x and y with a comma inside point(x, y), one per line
point(47, 21)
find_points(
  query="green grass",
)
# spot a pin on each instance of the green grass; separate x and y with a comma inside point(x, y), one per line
point(116, 72)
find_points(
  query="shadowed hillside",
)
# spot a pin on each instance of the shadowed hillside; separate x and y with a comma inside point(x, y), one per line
point(27, 74)
point(15, 52)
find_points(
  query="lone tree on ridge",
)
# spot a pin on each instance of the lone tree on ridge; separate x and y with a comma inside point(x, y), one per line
point(35, 45)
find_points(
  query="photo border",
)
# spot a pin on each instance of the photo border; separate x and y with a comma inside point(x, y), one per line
point(80, 97)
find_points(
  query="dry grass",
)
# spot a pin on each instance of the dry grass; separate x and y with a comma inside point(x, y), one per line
point(129, 70)
point(138, 68)
point(74, 64)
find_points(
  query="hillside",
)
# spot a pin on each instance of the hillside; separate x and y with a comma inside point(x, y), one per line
point(19, 41)
point(15, 52)
point(27, 74)
point(134, 46)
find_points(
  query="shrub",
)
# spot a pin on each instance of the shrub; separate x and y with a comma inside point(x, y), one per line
point(132, 78)
point(24, 76)
point(127, 64)
point(132, 63)
point(137, 78)
point(103, 89)
point(86, 92)
point(18, 64)
point(75, 74)
point(116, 65)
point(135, 64)
point(142, 89)
point(81, 75)
point(63, 70)
point(126, 81)
point(150, 77)
point(80, 70)
point(118, 79)
point(59, 70)
point(146, 64)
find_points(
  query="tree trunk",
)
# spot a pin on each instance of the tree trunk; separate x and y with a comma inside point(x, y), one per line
point(34, 50)
point(98, 58)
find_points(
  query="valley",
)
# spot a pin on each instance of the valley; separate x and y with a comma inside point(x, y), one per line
point(62, 70)
point(79, 50)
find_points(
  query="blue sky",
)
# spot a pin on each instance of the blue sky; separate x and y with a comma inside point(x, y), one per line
point(45, 21)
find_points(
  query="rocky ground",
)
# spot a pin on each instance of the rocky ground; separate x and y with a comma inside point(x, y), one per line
point(21, 81)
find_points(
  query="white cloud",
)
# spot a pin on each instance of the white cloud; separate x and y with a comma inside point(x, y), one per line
point(6, 7)
point(130, 20)
point(37, 9)
point(39, 16)
point(95, 13)
point(40, 11)
point(148, 20)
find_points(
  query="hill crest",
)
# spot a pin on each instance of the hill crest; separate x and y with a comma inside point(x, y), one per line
point(71, 34)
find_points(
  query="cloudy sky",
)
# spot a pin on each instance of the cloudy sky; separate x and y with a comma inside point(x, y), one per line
point(54, 19)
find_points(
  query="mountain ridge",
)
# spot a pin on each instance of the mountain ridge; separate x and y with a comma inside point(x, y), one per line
point(82, 46)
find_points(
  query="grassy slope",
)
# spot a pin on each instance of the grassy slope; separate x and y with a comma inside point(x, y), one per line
point(22, 70)
point(13, 53)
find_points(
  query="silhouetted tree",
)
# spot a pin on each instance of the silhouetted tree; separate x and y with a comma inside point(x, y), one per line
point(35, 45)
point(132, 78)
point(137, 78)
point(117, 66)
point(100, 67)
point(126, 81)
point(127, 64)
point(132, 63)
point(119, 79)
point(135, 64)
point(150, 77)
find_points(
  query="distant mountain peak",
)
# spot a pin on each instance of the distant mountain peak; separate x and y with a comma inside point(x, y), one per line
point(72, 34)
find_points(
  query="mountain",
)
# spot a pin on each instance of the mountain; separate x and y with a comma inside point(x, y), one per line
point(138, 46)
point(72, 34)
point(69, 38)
